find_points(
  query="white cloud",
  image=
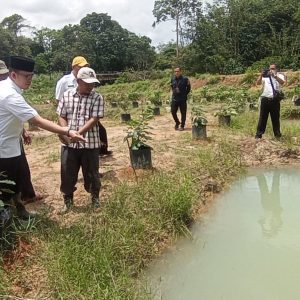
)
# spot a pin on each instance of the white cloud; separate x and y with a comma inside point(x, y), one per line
point(135, 15)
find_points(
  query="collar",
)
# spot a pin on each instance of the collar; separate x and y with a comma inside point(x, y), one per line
point(14, 86)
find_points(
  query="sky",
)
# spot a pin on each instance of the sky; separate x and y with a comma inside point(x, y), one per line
point(134, 15)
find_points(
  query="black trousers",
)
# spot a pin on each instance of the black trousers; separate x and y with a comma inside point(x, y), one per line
point(71, 161)
point(182, 105)
point(272, 107)
point(103, 139)
point(27, 190)
point(11, 168)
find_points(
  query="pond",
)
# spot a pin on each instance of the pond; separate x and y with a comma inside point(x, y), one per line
point(246, 247)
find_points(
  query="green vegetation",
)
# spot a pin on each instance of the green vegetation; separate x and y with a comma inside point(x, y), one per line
point(198, 117)
point(101, 257)
point(225, 37)
point(138, 133)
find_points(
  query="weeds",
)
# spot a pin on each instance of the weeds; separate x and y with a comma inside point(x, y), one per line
point(52, 157)
point(100, 257)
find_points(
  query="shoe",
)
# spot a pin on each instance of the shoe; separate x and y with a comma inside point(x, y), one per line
point(22, 213)
point(278, 136)
point(95, 201)
point(95, 204)
point(258, 137)
point(66, 208)
point(106, 153)
point(181, 129)
point(68, 204)
point(176, 126)
point(37, 197)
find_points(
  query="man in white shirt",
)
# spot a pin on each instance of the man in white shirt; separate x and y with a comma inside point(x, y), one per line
point(68, 82)
point(272, 81)
point(14, 112)
point(28, 194)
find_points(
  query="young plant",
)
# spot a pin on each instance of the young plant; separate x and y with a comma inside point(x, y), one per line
point(6, 190)
point(155, 98)
point(226, 110)
point(123, 103)
point(137, 133)
point(198, 117)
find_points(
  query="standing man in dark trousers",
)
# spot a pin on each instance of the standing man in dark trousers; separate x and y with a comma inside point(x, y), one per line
point(14, 112)
point(272, 81)
point(28, 194)
point(81, 108)
point(180, 88)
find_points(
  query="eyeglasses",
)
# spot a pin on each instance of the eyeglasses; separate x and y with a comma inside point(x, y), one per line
point(26, 75)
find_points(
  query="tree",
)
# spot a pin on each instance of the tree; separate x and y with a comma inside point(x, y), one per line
point(14, 24)
point(12, 40)
point(184, 12)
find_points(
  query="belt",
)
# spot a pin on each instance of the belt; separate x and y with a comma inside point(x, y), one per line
point(269, 98)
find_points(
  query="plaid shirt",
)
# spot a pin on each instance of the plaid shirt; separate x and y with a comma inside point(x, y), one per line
point(78, 109)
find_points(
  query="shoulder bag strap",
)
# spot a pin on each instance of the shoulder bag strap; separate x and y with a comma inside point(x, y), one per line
point(272, 86)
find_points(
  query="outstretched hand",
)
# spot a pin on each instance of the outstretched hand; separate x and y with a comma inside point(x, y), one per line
point(75, 136)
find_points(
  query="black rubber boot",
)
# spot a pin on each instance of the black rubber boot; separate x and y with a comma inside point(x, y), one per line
point(22, 213)
point(95, 200)
point(68, 204)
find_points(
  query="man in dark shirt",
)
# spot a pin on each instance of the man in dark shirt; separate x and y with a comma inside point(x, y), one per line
point(180, 88)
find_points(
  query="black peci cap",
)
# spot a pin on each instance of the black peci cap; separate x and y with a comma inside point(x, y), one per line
point(21, 63)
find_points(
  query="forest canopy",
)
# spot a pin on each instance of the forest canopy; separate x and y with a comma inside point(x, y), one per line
point(228, 37)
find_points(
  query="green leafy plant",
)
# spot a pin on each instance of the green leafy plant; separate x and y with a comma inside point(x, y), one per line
point(226, 110)
point(198, 117)
point(6, 190)
point(123, 102)
point(297, 89)
point(155, 98)
point(134, 96)
point(138, 131)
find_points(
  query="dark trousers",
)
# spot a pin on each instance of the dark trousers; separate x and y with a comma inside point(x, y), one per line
point(71, 161)
point(182, 105)
point(27, 190)
point(272, 107)
point(103, 139)
point(10, 167)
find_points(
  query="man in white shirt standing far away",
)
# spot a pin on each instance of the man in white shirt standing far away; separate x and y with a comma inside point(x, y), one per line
point(14, 112)
point(269, 104)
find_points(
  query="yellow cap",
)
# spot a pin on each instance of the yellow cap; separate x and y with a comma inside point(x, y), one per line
point(79, 61)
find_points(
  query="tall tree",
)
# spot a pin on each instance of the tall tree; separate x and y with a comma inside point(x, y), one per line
point(183, 12)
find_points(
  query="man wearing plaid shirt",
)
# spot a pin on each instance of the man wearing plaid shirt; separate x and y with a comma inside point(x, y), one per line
point(81, 108)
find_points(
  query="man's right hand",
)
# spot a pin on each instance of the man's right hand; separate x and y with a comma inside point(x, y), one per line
point(75, 136)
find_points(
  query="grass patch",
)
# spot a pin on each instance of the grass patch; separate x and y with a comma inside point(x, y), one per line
point(100, 256)
point(52, 157)
point(245, 123)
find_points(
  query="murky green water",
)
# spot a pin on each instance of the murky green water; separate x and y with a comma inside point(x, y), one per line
point(246, 247)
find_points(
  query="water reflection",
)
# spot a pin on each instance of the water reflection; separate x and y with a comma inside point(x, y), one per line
point(271, 221)
point(246, 247)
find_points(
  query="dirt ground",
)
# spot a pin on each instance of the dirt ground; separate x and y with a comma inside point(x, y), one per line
point(44, 158)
